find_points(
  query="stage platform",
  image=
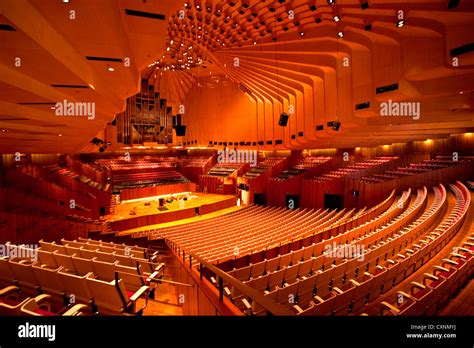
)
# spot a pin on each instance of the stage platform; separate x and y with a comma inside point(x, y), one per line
point(142, 212)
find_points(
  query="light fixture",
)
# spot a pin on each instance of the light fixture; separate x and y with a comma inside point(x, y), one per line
point(66, 1)
point(331, 2)
point(110, 68)
point(336, 19)
point(91, 86)
point(340, 34)
point(400, 23)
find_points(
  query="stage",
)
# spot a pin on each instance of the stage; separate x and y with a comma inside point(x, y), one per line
point(146, 211)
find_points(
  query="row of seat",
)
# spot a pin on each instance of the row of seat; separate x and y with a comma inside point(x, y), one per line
point(351, 298)
point(433, 289)
point(258, 228)
point(322, 259)
point(304, 289)
point(349, 236)
point(12, 304)
point(101, 296)
point(107, 282)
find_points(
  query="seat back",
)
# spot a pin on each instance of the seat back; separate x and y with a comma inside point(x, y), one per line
point(87, 254)
point(47, 258)
point(83, 266)
point(76, 286)
point(105, 257)
point(49, 280)
point(109, 297)
point(65, 261)
point(104, 270)
point(130, 277)
point(6, 273)
point(25, 276)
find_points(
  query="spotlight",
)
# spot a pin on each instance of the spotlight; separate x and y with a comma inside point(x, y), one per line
point(340, 34)
point(336, 19)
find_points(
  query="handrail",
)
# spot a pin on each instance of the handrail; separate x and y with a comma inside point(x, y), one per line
point(156, 280)
point(271, 306)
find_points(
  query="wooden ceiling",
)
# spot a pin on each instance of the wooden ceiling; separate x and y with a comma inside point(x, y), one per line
point(236, 65)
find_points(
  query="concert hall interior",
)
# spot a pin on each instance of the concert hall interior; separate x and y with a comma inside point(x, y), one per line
point(236, 157)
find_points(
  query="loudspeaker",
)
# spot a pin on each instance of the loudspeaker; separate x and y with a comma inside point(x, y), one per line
point(162, 202)
point(259, 199)
point(283, 119)
point(180, 130)
point(453, 3)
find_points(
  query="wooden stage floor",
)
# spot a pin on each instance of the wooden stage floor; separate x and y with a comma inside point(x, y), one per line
point(145, 213)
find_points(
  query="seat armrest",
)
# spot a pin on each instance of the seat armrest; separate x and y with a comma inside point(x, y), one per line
point(298, 308)
point(75, 311)
point(429, 276)
point(389, 307)
point(416, 285)
point(9, 290)
point(354, 282)
point(42, 298)
point(140, 292)
point(153, 277)
point(404, 294)
point(247, 304)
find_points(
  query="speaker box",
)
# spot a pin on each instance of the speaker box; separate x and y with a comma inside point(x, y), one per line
point(259, 199)
point(180, 130)
point(283, 119)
